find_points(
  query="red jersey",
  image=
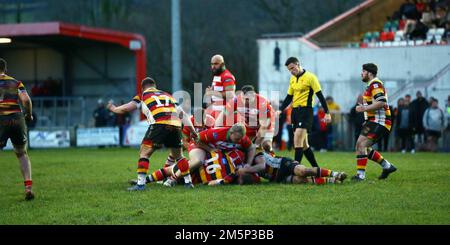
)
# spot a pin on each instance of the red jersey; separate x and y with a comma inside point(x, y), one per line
point(220, 84)
point(251, 113)
point(209, 123)
point(219, 138)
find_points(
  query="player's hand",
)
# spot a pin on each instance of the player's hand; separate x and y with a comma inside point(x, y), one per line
point(279, 113)
point(360, 108)
point(327, 118)
point(195, 136)
point(208, 90)
point(28, 117)
point(110, 105)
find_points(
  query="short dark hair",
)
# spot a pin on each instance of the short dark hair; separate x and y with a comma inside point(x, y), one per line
point(371, 67)
point(3, 65)
point(148, 81)
point(408, 95)
point(247, 88)
point(292, 60)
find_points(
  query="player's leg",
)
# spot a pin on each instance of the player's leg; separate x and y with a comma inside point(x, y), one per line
point(145, 153)
point(18, 135)
point(309, 154)
point(378, 133)
point(181, 168)
point(299, 140)
point(302, 171)
point(25, 169)
point(361, 157)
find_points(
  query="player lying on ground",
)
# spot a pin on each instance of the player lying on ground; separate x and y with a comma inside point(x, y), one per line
point(163, 116)
point(218, 168)
point(286, 170)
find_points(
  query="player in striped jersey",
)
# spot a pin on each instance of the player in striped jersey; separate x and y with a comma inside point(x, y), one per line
point(163, 116)
point(378, 123)
point(218, 168)
point(286, 170)
point(12, 122)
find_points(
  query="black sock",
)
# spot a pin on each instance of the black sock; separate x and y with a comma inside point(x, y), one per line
point(298, 154)
point(310, 156)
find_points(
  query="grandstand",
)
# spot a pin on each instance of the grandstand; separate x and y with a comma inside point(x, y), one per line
point(66, 68)
point(336, 50)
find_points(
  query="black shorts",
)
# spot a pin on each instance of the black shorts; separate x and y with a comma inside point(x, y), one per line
point(433, 133)
point(286, 169)
point(159, 135)
point(302, 117)
point(374, 131)
point(13, 127)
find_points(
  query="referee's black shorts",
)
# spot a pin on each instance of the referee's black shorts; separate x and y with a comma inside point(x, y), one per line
point(302, 117)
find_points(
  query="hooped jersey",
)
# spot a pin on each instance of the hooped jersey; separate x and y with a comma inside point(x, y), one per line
point(375, 91)
point(158, 106)
point(219, 165)
point(10, 89)
point(220, 84)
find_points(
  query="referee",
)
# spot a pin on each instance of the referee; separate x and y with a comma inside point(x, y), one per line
point(302, 87)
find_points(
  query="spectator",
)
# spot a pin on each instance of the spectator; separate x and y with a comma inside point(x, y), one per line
point(335, 111)
point(403, 127)
point(428, 16)
point(101, 114)
point(323, 131)
point(419, 32)
point(448, 108)
point(408, 9)
point(383, 143)
point(441, 17)
point(417, 109)
point(434, 122)
point(420, 5)
point(357, 118)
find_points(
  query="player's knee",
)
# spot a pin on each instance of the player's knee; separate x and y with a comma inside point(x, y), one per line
point(20, 151)
point(267, 145)
point(300, 170)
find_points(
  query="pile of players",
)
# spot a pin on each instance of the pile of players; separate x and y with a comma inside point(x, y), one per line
point(228, 143)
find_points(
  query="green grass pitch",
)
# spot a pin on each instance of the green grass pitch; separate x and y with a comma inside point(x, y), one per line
point(88, 186)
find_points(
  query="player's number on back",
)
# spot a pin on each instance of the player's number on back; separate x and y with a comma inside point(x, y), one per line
point(158, 102)
point(211, 169)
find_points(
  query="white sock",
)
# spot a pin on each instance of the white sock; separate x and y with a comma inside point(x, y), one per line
point(334, 174)
point(141, 179)
point(361, 174)
point(187, 179)
point(385, 164)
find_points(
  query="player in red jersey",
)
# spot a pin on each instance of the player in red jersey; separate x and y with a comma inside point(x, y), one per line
point(163, 116)
point(222, 88)
point(12, 122)
point(255, 112)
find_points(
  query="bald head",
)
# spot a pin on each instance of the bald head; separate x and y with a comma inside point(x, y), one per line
point(217, 59)
point(217, 64)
